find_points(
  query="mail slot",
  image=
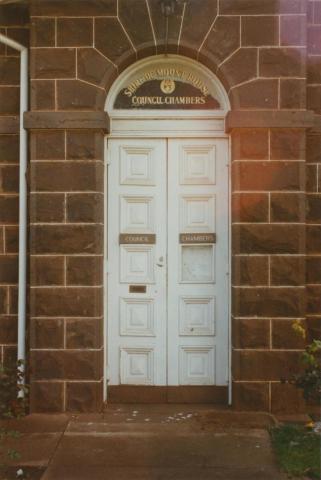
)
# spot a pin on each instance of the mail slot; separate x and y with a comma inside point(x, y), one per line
point(137, 288)
point(189, 238)
point(136, 238)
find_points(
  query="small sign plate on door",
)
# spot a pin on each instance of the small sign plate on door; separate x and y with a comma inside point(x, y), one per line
point(135, 238)
point(189, 238)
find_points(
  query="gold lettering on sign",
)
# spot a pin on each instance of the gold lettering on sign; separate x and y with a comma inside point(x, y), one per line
point(167, 73)
point(145, 238)
point(197, 238)
point(168, 100)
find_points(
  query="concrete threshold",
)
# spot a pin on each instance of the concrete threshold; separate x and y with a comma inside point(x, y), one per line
point(147, 442)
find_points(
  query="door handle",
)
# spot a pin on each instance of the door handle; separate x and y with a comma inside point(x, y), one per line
point(160, 262)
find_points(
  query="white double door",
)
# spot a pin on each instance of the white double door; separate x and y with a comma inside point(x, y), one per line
point(167, 262)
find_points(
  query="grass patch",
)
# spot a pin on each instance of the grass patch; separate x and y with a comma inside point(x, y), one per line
point(298, 450)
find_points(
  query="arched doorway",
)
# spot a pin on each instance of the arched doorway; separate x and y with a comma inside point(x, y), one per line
point(167, 237)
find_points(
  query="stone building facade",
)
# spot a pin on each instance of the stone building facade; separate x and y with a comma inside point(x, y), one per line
point(267, 55)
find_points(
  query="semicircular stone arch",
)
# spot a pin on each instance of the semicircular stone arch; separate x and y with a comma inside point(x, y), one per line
point(137, 33)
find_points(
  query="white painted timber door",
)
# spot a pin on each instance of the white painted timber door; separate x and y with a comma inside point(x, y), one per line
point(168, 262)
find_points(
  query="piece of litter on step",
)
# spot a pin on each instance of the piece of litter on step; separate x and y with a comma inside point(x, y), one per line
point(129, 419)
point(135, 411)
point(147, 419)
point(257, 446)
point(20, 472)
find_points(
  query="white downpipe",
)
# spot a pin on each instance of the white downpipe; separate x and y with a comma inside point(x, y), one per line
point(23, 157)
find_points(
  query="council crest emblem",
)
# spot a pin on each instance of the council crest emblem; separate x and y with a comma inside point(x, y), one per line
point(167, 86)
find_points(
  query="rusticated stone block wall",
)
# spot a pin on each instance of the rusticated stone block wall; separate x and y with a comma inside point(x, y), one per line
point(66, 248)
point(257, 49)
point(313, 173)
point(14, 22)
point(268, 265)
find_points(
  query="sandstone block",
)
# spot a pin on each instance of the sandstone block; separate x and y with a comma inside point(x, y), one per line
point(84, 270)
point(67, 176)
point(48, 145)
point(218, 45)
point(281, 62)
point(287, 144)
point(84, 397)
point(313, 267)
point(8, 269)
point(84, 145)
point(74, 32)
point(260, 31)
point(284, 336)
point(269, 239)
point(287, 270)
point(251, 396)
point(84, 333)
point(8, 329)
point(286, 398)
point(250, 144)
point(287, 207)
point(251, 333)
point(85, 207)
point(66, 239)
point(46, 397)
point(47, 333)
point(9, 209)
point(313, 208)
point(66, 365)
point(292, 93)
point(250, 207)
point(9, 147)
point(47, 270)
point(42, 32)
point(42, 94)
point(268, 176)
point(269, 302)
point(47, 207)
point(66, 302)
point(250, 270)
point(314, 39)
point(53, 63)
point(293, 30)
point(265, 365)
point(78, 95)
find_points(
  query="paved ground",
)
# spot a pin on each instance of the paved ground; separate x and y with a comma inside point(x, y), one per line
point(149, 442)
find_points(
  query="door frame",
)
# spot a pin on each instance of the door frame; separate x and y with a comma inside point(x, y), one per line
point(164, 124)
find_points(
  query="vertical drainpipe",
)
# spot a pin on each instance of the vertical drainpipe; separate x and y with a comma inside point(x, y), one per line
point(23, 157)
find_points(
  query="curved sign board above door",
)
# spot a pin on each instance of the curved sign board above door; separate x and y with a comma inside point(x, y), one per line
point(167, 85)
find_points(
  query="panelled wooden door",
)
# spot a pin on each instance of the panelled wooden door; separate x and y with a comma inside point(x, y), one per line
point(167, 285)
